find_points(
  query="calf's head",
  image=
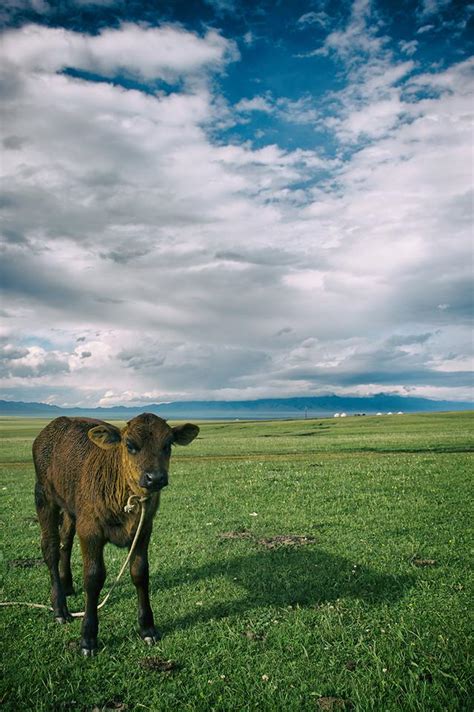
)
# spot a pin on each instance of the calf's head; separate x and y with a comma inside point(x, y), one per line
point(145, 446)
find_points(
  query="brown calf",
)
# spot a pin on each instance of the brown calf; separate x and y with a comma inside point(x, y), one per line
point(85, 471)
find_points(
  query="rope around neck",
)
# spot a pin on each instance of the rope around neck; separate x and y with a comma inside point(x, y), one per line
point(132, 502)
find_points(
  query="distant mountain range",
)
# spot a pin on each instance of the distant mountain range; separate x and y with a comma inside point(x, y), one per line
point(317, 406)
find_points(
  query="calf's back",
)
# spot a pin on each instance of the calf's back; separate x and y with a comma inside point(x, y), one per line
point(62, 452)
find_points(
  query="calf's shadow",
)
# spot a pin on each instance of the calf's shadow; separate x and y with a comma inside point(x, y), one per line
point(303, 576)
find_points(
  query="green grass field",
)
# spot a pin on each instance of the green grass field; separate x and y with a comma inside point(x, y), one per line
point(370, 612)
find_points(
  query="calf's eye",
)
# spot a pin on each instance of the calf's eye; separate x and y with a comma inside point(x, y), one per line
point(167, 449)
point(132, 448)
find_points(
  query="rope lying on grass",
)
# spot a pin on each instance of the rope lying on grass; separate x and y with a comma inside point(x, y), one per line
point(129, 507)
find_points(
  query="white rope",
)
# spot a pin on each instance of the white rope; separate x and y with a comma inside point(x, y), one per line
point(129, 507)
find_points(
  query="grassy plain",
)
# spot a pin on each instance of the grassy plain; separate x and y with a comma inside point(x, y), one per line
point(370, 613)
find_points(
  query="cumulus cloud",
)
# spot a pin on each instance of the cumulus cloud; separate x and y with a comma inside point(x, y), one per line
point(32, 362)
point(147, 52)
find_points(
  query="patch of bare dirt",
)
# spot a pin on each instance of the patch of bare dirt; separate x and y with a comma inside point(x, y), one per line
point(155, 664)
point(333, 703)
point(25, 563)
point(111, 705)
point(242, 534)
point(424, 562)
point(273, 542)
point(252, 635)
point(270, 542)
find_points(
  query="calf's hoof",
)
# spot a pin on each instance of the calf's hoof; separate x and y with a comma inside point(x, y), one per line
point(150, 636)
point(63, 619)
point(63, 616)
point(88, 648)
point(89, 652)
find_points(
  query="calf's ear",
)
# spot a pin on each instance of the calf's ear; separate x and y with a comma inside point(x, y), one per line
point(185, 434)
point(105, 436)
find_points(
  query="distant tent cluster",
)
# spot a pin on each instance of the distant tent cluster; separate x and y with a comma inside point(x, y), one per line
point(344, 415)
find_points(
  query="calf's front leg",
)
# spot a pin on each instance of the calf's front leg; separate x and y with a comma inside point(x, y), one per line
point(139, 571)
point(94, 577)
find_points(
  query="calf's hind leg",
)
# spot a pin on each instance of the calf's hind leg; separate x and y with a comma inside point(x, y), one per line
point(48, 517)
point(67, 531)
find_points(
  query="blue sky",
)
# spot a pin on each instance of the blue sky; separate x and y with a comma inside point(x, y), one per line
point(236, 200)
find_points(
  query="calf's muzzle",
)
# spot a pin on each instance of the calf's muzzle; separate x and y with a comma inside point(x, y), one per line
point(154, 481)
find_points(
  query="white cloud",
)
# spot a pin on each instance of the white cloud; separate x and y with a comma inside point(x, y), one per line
point(373, 120)
point(314, 18)
point(32, 362)
point(433, 7)
point(257, 103)
point(298, 111)
point(358, 39)
point(147, 52)
point(408, 47)
point(425, 28)
point(370, 105)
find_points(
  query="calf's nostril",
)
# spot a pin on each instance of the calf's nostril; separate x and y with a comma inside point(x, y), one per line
point(154, 481)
